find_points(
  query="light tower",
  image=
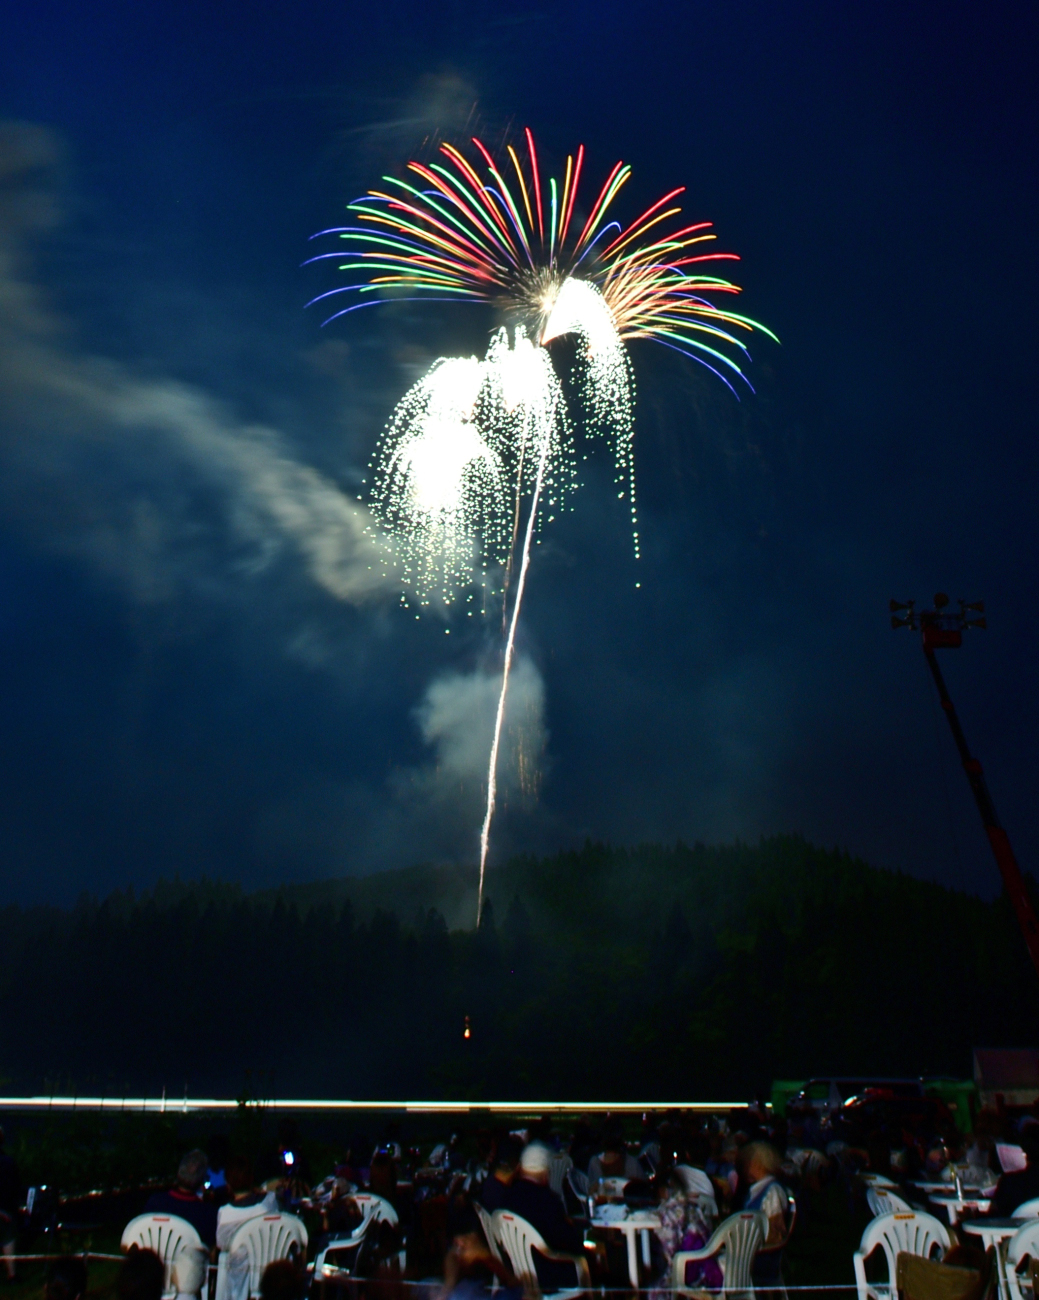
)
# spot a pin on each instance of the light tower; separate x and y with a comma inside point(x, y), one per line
point(942, 629)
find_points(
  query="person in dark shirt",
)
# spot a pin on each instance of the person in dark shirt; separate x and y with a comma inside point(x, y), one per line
point(184, 1199)
point(1022, 1185)
point(10, 1195)
point(530, 1197)
point(496, 1185)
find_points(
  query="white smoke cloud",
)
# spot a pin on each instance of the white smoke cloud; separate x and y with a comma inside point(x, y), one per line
point(430, 811)
point(456, 717)
point(440, 804)
point(150, 480)
point(434, 809)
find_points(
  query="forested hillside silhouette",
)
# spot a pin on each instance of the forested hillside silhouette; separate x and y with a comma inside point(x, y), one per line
point(656, 974)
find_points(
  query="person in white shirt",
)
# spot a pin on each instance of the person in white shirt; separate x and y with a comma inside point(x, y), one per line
point(246, 1203)
point(762, 1163)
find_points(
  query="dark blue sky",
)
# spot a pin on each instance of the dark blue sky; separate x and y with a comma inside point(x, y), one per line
point(200, 675)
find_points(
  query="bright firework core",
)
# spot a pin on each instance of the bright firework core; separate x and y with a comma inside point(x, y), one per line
point(456, 458)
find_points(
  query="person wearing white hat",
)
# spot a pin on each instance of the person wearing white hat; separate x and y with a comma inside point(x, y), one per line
point(531, 1198)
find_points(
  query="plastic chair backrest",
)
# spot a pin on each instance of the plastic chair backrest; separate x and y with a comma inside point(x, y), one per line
point(262, 1240)
point(1024, 1244)
point(1027, 1210)
point(575, 1200)
point(1025, 1241)
point(558, 1164)
point(578, 1181)
point(487, 1224)
point(376, 1207)
point(519, 1240)
point(916, 1234)
point(165, 1234)
point(740, 1236)
point(338, 1243)
point(882, 1201)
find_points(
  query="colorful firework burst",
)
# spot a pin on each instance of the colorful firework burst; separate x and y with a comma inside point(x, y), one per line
point(457, 234)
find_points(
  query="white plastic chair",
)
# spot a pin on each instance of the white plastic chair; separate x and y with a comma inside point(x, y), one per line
point(376, 1207)
point(167, 1235)
point(487, 1224)
point(1022, 1245)
point(916, 1234)
point(255, 1244)
point(578, 1181)
point(877, 1180)
point(493, 1244)
point(558, 1164)
point(735, 1241)
point(519, 1240)
point(883, 1201)
point(575, 1195)
point(339, 1242)
point(1027, 1210)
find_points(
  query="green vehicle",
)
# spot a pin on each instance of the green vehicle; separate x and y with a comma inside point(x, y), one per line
point(960, 1095)
point(782, 1091)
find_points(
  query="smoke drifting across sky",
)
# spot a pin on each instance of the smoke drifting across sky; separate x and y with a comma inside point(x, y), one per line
point(157, 490)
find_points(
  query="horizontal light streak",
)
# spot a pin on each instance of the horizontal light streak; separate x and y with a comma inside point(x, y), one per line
point(164, 1105)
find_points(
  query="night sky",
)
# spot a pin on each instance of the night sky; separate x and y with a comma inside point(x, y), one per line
point(200, 673)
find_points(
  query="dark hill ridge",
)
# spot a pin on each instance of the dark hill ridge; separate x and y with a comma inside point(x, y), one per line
point(646, 972)
point(597, 884)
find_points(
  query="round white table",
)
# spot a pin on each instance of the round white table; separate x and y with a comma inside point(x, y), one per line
point(957, 1206)
point(994, 1232)
point(634, 1223)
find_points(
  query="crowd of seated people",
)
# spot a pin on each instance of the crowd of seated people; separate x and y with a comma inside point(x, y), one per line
point(692, 1172)
point(690, 1175)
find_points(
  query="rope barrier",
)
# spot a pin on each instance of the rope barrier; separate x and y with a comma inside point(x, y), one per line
point(73, 1254)
point(431, 1284)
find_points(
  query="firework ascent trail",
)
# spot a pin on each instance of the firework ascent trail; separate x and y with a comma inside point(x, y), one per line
point(471, 428)
point(510, 644)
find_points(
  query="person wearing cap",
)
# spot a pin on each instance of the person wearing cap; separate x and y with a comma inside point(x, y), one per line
point(530, 1197)
point(184, 1199)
